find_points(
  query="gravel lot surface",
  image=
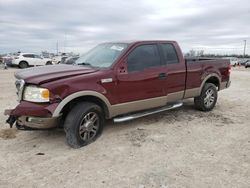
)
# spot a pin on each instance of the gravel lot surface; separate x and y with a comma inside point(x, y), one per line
point(179, 148)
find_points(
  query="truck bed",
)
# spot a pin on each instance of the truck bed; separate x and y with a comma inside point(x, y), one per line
point(198, 67)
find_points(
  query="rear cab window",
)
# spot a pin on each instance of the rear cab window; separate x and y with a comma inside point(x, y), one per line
point(143, 57)
point(169, 53)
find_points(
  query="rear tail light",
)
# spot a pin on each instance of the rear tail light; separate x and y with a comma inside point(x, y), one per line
point(229, 69)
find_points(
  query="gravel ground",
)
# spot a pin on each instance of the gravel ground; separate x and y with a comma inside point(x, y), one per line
point(179, 148)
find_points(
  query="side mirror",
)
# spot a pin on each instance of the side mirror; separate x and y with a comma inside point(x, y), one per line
point(122, 68)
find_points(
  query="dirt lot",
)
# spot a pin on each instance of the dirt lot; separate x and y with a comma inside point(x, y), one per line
point(179, 148)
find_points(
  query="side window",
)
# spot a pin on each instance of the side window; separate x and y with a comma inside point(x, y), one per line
point(36, 56)
point(170, 54)
point(143, 57)
point(28, 55)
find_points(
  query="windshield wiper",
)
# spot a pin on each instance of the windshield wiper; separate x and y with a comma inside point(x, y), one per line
point(84, 63)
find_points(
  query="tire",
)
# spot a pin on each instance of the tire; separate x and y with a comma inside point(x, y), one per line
point(83, 124)
point(204, 102)
point(23, 65)
point(49, 63)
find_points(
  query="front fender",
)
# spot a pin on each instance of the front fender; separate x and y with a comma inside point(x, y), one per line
point(73, 96)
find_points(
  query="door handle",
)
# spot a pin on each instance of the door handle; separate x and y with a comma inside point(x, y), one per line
point(162, 75)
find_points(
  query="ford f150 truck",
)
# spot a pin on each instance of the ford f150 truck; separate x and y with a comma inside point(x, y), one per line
point(118, 80)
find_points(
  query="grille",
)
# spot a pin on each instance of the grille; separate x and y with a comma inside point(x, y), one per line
point(19, 86)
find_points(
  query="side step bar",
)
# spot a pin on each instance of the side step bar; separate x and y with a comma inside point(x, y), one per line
point(146, 113)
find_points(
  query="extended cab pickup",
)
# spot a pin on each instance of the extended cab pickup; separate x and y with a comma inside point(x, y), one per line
point(121, 80)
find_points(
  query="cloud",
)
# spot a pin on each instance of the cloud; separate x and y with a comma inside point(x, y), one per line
point(215, 26)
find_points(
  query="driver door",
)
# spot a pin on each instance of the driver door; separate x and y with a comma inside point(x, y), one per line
point(141, 79)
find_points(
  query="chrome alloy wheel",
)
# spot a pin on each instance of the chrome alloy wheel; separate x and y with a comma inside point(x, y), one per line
point(209, 98)
point(89, 126)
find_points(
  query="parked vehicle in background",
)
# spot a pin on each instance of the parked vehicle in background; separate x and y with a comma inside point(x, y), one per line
point(1, 59)
point(56, 59)
point(243, 62)
point(24, 60)
point(63, 59)
point(123, 81)
point(7, 59)
point(59, 59)
point(247, 64)
point(233, 60)
point(70, 60)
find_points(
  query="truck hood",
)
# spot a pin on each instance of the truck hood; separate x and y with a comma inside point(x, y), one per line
point(43, 74)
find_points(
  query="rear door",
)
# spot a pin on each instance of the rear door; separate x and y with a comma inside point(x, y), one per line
point(29, 58)
point(38, 60)
point(141, 79)
point(175, 69)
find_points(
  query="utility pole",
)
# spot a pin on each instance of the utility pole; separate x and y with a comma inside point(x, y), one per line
point(65, 40)
point(244, 53)
point(56, 47)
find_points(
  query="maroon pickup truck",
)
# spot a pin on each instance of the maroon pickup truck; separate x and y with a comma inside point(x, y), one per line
point(118, 80)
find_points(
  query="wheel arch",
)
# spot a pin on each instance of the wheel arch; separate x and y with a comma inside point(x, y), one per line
point(90, 96)
point(213, 79)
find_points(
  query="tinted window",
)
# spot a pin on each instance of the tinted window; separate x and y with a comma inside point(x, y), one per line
point(37, 56)
point(143, 57)
point(170, 53)
point(28, 55)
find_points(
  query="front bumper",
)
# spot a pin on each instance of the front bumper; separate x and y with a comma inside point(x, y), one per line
point(38, 123)
point(33, 122)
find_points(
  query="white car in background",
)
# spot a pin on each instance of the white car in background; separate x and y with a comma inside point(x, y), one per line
point(247, 64)
point(59, 59)
point(24, 60)
point(234, 61)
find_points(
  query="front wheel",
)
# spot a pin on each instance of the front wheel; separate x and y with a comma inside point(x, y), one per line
point(49, 63)
point(23, 64)
point(208, 98)
point(83, 124)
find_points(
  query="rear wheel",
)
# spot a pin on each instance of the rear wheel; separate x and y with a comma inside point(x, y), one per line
point(49, 63)
point(23, 64)
point(208, 98)
point(83, 124)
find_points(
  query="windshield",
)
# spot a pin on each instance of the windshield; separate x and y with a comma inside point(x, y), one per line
point(103, 55)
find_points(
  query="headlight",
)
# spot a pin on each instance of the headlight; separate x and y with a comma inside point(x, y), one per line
point(36, 94)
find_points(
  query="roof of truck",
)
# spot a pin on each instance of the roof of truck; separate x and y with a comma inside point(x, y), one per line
point(139, 41)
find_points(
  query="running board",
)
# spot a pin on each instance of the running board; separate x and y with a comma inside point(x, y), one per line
point(146, 113)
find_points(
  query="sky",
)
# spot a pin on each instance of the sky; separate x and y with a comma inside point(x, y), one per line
point(77, 25)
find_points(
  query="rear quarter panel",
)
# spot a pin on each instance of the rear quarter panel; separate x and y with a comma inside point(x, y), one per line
point(199, 70)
